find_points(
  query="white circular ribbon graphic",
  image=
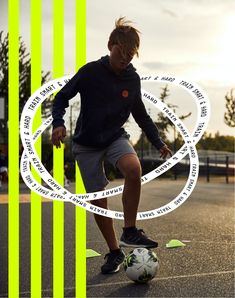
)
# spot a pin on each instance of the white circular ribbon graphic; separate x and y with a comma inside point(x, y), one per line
point(57, 192)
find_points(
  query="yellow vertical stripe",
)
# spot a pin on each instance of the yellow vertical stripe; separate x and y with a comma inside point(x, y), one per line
point(58, 158)
point(36, 228)
point(80, 226)
point(13, 152)
point(80, 229)
point(80, 33)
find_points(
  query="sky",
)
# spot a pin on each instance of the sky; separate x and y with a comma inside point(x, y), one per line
point(193, 39)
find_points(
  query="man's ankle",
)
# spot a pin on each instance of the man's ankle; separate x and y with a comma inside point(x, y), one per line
point(129, 230)
point(115, 251)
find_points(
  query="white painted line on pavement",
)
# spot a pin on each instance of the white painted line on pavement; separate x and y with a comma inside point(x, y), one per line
point(128, 281)
point(162, 278)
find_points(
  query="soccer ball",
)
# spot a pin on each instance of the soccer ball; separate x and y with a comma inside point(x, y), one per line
point(141, 265)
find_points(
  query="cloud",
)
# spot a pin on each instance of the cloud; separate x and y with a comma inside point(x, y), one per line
point(153, 65)
point(156, 65)
point(169, 12)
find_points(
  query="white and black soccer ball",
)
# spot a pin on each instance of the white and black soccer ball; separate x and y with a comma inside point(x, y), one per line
point(141, 265)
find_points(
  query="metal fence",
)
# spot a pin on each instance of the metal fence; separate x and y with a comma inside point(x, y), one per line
point(212, 163)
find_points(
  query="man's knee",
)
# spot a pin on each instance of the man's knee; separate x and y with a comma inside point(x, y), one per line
point(102, 203)
point(133, 172)
point(130, 167)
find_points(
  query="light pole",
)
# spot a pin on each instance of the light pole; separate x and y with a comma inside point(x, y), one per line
point(149, 144)
point(71, 128)
point(3, 116)
point(175, 170)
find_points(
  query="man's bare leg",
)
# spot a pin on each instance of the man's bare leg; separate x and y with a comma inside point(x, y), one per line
point(130, 167)
point(115, 257)
point(106, 225)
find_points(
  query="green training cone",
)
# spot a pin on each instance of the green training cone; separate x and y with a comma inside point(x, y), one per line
point(90, 253)
point(174, 243)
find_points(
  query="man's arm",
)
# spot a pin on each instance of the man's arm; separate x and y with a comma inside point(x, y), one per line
point(61, 102)
point(146, 123)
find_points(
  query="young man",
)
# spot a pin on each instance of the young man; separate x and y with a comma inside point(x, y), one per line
point(110, 91)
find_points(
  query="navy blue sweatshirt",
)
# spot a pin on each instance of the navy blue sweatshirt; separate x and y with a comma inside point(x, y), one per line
point(107, 99)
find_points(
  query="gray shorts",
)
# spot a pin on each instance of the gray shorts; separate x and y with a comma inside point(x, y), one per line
point(91, 161)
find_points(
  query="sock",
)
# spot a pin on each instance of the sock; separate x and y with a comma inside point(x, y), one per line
point(129, 230)
point(115, 251)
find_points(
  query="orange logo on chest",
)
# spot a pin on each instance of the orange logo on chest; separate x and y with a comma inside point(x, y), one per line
point(125, 93)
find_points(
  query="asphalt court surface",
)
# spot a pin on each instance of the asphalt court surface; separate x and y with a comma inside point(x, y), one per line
point(203, 268)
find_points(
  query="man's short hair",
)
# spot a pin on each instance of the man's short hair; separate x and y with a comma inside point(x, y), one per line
point(125, 35)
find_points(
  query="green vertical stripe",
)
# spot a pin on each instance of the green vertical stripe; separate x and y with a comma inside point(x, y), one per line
point(80, 213)
point(58, 159)
point(36, 228)
point(13, 152)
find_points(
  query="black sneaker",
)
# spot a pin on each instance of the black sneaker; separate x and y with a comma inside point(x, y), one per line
point(137, 239)
point(113, 262)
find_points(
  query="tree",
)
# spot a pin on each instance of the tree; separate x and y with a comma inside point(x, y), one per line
point(24, 77)
point(163, 123)
point(229, 115)
point(217, 142)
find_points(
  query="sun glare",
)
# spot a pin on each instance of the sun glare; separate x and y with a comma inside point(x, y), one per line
point(219, 66)
point(226, 54)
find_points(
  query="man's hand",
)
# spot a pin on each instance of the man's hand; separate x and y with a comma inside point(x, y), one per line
point(58, 135)
point(164, 151)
